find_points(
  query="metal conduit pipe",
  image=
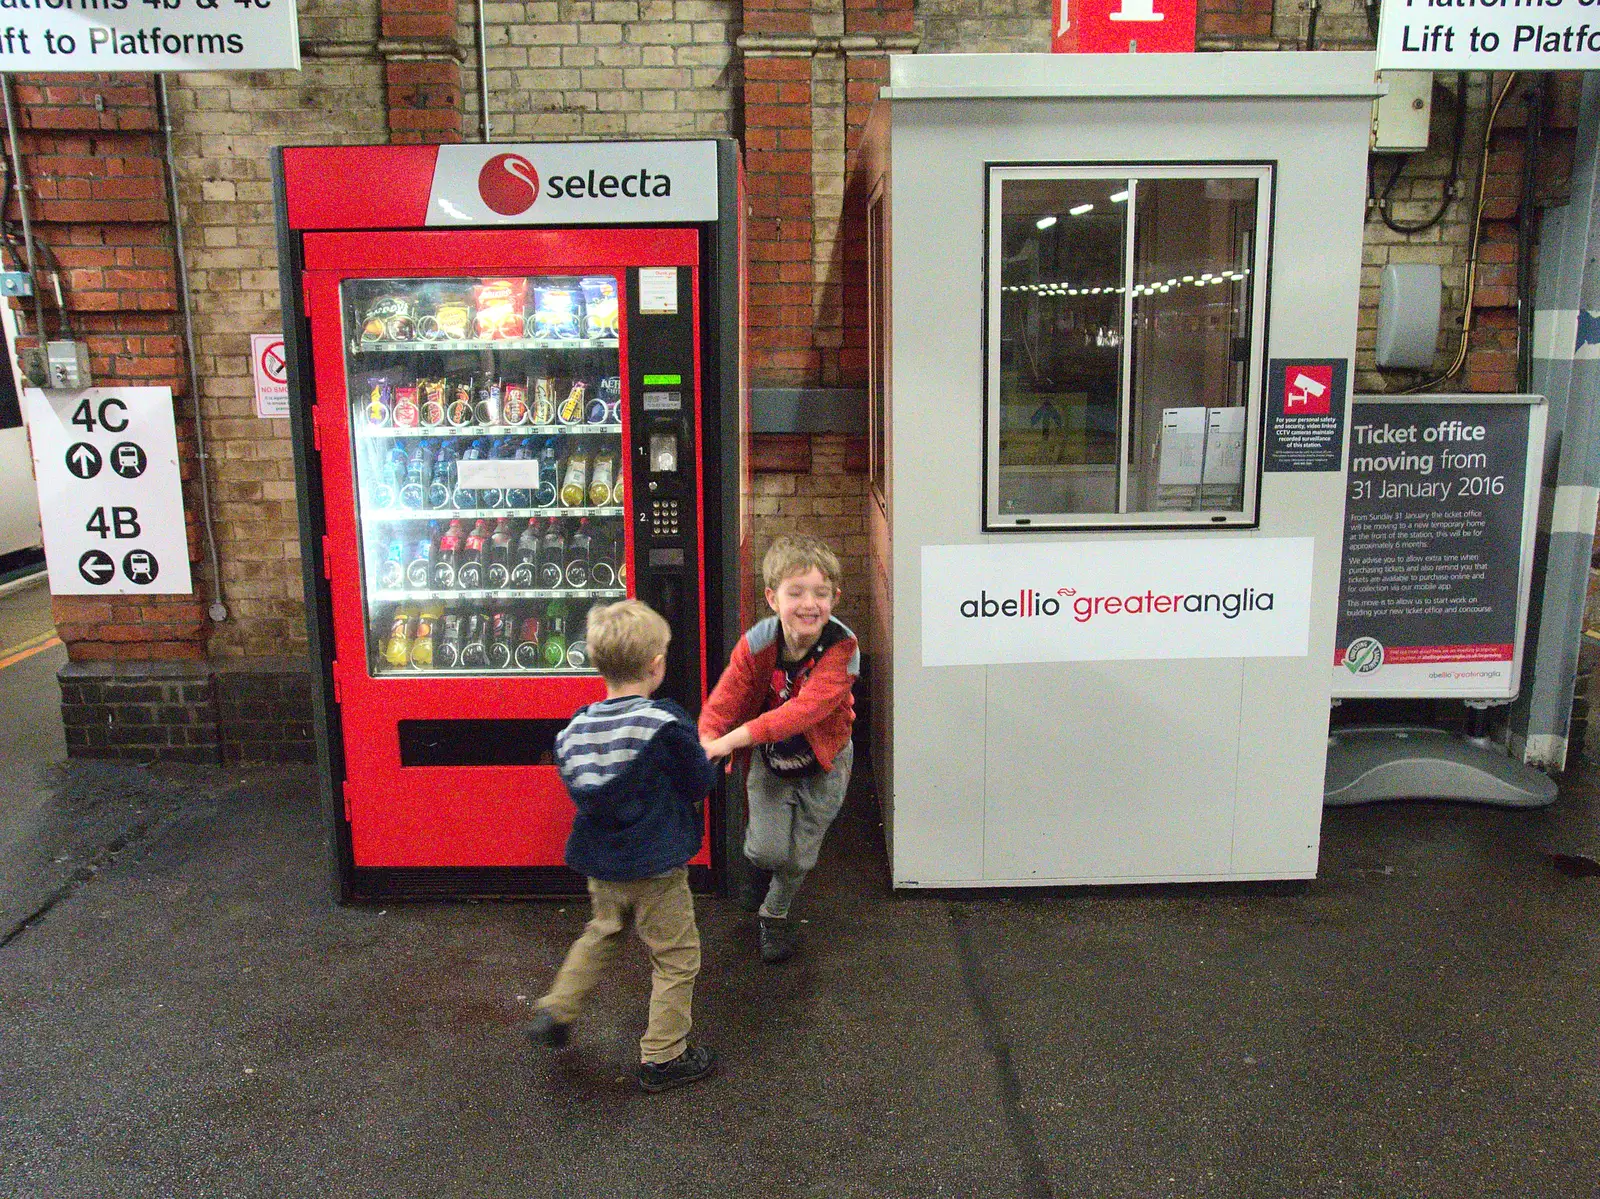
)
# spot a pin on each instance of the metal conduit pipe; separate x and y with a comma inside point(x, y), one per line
point(219, 609)
point(485, 133)
point(21, 178)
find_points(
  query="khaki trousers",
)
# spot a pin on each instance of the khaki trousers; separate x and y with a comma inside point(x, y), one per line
point(662, 913)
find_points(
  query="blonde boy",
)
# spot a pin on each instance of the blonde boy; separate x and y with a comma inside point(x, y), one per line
point(787, 690)
point(637, 775)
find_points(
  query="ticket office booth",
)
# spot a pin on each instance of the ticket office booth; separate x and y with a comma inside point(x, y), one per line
point(1113, 310)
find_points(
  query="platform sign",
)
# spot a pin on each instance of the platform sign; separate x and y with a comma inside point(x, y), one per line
point(1439, 523)
point(110, 494)
point(1123, 26)
point(1516, 35)
point(269, 368)
point(52, 36)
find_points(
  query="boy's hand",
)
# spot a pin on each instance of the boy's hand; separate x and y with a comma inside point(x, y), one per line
point(721, 747)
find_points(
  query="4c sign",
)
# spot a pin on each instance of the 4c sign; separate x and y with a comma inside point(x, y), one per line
point(1123, 26)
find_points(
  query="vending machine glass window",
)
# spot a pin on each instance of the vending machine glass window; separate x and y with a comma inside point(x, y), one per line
point(488, 417)
point(1126, 309)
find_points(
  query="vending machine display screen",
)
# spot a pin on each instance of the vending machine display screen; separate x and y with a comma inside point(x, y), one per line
point(488, 439)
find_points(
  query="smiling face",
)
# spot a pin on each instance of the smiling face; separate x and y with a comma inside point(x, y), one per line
point(803, 602)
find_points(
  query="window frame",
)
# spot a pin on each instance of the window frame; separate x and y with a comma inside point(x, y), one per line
point(1265, 172)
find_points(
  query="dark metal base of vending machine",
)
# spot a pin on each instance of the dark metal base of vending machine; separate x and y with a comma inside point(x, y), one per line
point(369, 884)
point(1372, 765)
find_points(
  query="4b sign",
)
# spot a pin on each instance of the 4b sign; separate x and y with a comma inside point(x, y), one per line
point(1123, 26)
point(110, 496)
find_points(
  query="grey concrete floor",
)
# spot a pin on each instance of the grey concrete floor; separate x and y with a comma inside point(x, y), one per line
point(189, 1015)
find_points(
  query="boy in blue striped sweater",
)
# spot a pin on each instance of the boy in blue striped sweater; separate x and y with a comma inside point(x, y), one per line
point(637, 775)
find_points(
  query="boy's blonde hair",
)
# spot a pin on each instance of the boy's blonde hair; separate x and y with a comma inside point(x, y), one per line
point(796, 553)
point(625, 637)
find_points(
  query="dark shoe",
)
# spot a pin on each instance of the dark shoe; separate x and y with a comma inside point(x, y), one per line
point(691, 1065)
point(546, 1030)
point(753, 888)
point(777, 940)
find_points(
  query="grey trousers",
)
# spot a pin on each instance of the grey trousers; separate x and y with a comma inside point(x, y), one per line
point(788, 819)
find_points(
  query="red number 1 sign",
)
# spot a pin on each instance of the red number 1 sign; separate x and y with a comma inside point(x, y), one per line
point(1122, 26)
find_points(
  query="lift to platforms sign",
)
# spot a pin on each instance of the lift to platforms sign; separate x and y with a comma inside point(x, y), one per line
point(52, 36)
point(1489, 35)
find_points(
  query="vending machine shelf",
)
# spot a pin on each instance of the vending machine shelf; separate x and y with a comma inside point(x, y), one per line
point(376, 431)
point(461, 345)
point(498, 593)
point(477, 672)
point(399, 515)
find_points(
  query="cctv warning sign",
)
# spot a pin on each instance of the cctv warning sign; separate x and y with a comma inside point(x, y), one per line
point(1305, 414)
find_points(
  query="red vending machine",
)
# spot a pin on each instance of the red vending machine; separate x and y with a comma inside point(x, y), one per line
point(515, 391)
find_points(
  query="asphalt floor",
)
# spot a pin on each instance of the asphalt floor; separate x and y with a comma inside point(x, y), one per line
point(184, 1011)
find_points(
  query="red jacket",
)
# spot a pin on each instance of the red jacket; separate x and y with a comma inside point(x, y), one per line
point(823, 708)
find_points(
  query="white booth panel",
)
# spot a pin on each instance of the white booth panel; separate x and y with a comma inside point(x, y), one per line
point(938, 773)
point(1067, 804)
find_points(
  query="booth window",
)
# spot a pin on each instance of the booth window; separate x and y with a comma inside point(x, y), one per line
point(1126, 309)
point(877, 341)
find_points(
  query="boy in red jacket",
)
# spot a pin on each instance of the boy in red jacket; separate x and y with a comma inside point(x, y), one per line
point(787, 690)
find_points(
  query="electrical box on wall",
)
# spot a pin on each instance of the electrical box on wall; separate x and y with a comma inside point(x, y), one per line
point(68, 365)
point(1400, 118)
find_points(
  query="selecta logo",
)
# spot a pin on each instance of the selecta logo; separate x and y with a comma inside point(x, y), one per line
point(508, 184)
point(1083, 608)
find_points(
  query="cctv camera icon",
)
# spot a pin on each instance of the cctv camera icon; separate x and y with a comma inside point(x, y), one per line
point(1305, 393)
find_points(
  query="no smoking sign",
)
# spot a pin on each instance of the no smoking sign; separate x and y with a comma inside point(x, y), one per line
point(110, 495)
point(269, 366)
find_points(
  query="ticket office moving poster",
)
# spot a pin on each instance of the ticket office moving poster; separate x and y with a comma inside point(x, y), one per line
point(1438, 515)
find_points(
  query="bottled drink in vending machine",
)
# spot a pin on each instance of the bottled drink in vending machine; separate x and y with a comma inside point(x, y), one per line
point(447, 647)
point(419, 571)
point(603, 562)
point(419, 474)
point(526, 654)
point(575, 480)
point(544, 495)
point(469, 575)
point(498, 569)
point(502, 631)
point(578, 550)
point(391, 477)
point(402, 628)
point(392, 573)
point(553, 649)
point(578, 647)
point(443, 485)
point(447, 559)
point(466, 497)
point(552, 556)
point(605, 469)
point(422, 645)
point(475, 641)
point(494, 497)
point(521, 496)
point(525, 567)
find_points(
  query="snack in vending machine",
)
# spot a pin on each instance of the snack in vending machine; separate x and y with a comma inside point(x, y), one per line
point(430, 402)
point(467, 497)
point(544, 401)
point(603, 565)
point(487, 410)
point(458, 412)
point(525, 568)
point(502, 631)
point(578, 550)
point(402, 628)
point(391, 476)
point(574, 481)
point(557, 313)
point(596, 412)
point(389, 318)
point(544, 496)
point(499, 304)
point(514, 409)
point(379, 408)
point(599, 305)
point(469, 574)
point(447, 648)
point(447, 558)
point(572, 410)
point(522, 497)
point(422, 645)
point(475, 641)
point(552, 556)
point(443, 485)
point(450, 321)
point(392, 574)
point(498, 572)
point(553, 650)
point(419, 475)
point(526, 654)
point(605, 466)
point(610, 402)
point(407, 413)
point(419, 570)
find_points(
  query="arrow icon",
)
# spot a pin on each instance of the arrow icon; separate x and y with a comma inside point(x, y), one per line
point(83, 460)
point(96, 567)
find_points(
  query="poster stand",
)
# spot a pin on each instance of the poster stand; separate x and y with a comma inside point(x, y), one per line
point(1432, 603)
